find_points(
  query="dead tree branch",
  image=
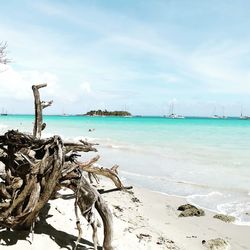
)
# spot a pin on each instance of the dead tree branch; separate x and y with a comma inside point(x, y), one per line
point(39, 106)
point(33, 170)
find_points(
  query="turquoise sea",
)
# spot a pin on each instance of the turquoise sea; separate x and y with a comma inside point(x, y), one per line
point(205, 160)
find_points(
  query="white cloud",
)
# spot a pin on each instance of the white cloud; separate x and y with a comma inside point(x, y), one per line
point(17, 84)
point(15, 88)
point(13, 85)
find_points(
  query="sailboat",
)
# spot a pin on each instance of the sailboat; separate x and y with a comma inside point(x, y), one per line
point(223, 115)
point(215, 116)
point(4, 112)
point(63, 113)
point(243, 117)
point(172, 115)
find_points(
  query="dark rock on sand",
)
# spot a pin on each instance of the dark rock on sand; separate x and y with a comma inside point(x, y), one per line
point(190, 210)
point(216, 244)
point(185, 207)
point(142, 236)
point(167, 243)
point(225, 218)
point(118, 208)
point(134, 199)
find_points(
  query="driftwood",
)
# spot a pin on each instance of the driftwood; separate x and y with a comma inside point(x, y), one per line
point(36, 169)
point(39, 106)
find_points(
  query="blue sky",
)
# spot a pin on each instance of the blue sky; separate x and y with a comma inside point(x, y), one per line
point(138, 55)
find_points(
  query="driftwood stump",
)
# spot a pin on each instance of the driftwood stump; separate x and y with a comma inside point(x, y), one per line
point(34, 169)
point(39, 106)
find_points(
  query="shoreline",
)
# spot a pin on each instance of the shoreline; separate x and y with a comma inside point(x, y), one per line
point(143, 219)
point(189, 232)
point(237, 221)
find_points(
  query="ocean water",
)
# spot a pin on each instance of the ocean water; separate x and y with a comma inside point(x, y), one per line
point(205, 160)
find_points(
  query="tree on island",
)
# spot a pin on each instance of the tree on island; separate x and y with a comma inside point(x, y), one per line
point(3, 53)
point(33, 170)
point(107, 113)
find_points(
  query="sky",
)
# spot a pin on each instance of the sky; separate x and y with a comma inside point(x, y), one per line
point(140, 55)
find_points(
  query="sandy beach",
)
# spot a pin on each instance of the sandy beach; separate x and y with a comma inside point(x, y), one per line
point(142, 220)
point(158, 88)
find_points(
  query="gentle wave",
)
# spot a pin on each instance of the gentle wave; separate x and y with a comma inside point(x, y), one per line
point(146, 176)
point(214, 201)
point(186, 183)
point(107, 143)
point(240, 210)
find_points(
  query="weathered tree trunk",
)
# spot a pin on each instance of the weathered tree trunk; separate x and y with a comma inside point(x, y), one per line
point(39, 106)
point(35, 169)
point(30, 186)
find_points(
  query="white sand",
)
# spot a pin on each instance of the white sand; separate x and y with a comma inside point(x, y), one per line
point(142, 220)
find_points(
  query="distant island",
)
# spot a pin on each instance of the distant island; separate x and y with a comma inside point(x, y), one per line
point(107, 113)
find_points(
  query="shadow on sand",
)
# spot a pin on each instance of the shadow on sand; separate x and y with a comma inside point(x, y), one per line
point(62, 239)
